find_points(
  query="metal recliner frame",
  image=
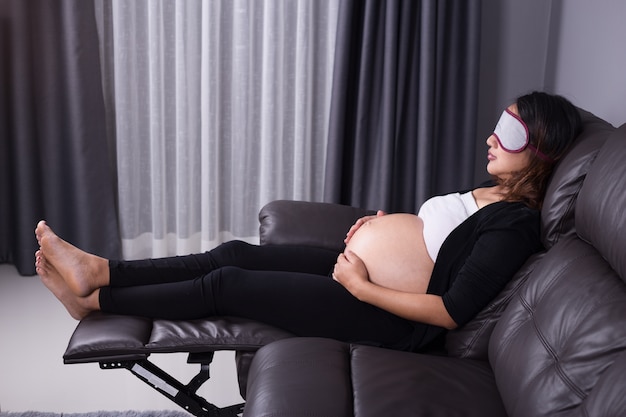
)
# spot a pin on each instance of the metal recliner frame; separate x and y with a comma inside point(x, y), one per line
point(126, 342)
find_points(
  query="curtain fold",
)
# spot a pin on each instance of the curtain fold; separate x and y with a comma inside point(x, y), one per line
point(54, 161)
point(214, 108)
point(220, 107)
point(403, 109)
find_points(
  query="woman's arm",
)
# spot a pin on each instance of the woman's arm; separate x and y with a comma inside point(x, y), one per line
point(424, 308)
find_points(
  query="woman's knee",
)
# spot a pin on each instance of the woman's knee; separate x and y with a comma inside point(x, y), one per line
point(231, 253)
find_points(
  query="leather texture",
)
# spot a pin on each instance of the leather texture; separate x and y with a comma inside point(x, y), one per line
point(557, 214)
point(557, 218)
point(321, 377)
point(600, 208)
point(472, 340)
point(308, 377)
point(567, 324)
point(286, 222)
point(552, 343)
point(102, 337)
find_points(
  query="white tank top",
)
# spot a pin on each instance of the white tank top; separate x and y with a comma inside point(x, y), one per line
point(441, 215)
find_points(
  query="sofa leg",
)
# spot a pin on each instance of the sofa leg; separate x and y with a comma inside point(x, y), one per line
point(183, 395)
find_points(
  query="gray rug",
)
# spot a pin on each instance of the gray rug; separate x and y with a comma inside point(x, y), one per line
point(164, 413)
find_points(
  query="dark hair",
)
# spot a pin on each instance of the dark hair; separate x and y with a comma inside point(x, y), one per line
point(553, 124)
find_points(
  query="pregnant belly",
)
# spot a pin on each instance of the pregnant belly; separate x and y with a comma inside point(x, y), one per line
point(393, 250)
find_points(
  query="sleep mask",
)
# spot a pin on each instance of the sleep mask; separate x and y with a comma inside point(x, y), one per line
point(512, 134)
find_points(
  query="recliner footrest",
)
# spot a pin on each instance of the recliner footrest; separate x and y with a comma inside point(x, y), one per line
point(101, 337)
point(126, 342)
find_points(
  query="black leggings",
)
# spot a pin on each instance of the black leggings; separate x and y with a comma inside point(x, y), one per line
point(285, 286)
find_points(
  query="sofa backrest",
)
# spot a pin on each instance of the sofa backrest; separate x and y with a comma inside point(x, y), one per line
point(557, 216)
point(559, 347)
point(558, 211)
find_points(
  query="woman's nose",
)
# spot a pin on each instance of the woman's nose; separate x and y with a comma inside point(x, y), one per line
point(492, 141)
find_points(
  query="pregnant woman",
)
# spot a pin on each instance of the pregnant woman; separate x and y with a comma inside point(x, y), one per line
point(401, 281)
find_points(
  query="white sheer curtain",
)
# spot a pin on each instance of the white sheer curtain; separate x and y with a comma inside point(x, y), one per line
point(217, 108)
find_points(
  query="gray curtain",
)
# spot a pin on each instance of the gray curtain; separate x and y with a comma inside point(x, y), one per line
point(54, 159)
point(403, 114)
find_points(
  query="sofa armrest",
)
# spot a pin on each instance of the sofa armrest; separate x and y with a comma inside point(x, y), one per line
point(287, 222)
point(308, 377)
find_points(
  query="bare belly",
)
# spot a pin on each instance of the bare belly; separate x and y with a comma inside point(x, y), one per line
point(393, 250)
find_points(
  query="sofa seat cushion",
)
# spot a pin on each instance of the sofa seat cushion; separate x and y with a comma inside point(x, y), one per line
point(312, 376)
point(392, 383)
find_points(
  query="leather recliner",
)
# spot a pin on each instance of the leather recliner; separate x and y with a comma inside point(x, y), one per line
point(552, 343)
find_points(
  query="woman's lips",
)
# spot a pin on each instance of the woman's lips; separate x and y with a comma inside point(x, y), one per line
point(490, 156)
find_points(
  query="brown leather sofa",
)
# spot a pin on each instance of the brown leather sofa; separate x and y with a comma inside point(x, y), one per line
point(553, 343)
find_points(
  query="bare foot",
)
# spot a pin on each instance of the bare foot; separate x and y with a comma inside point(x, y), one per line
point(78, 307)
point(82, 271)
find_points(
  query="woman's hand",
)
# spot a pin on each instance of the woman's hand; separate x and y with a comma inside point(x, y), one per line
point(350, 271)
point(360, 222)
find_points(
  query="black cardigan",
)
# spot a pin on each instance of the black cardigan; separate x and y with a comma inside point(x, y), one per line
point(477, 260)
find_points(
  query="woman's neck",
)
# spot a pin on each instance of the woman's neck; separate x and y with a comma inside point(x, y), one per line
point(488, 195)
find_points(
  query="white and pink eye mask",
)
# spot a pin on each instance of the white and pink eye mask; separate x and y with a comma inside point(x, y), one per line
point(512, 134)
